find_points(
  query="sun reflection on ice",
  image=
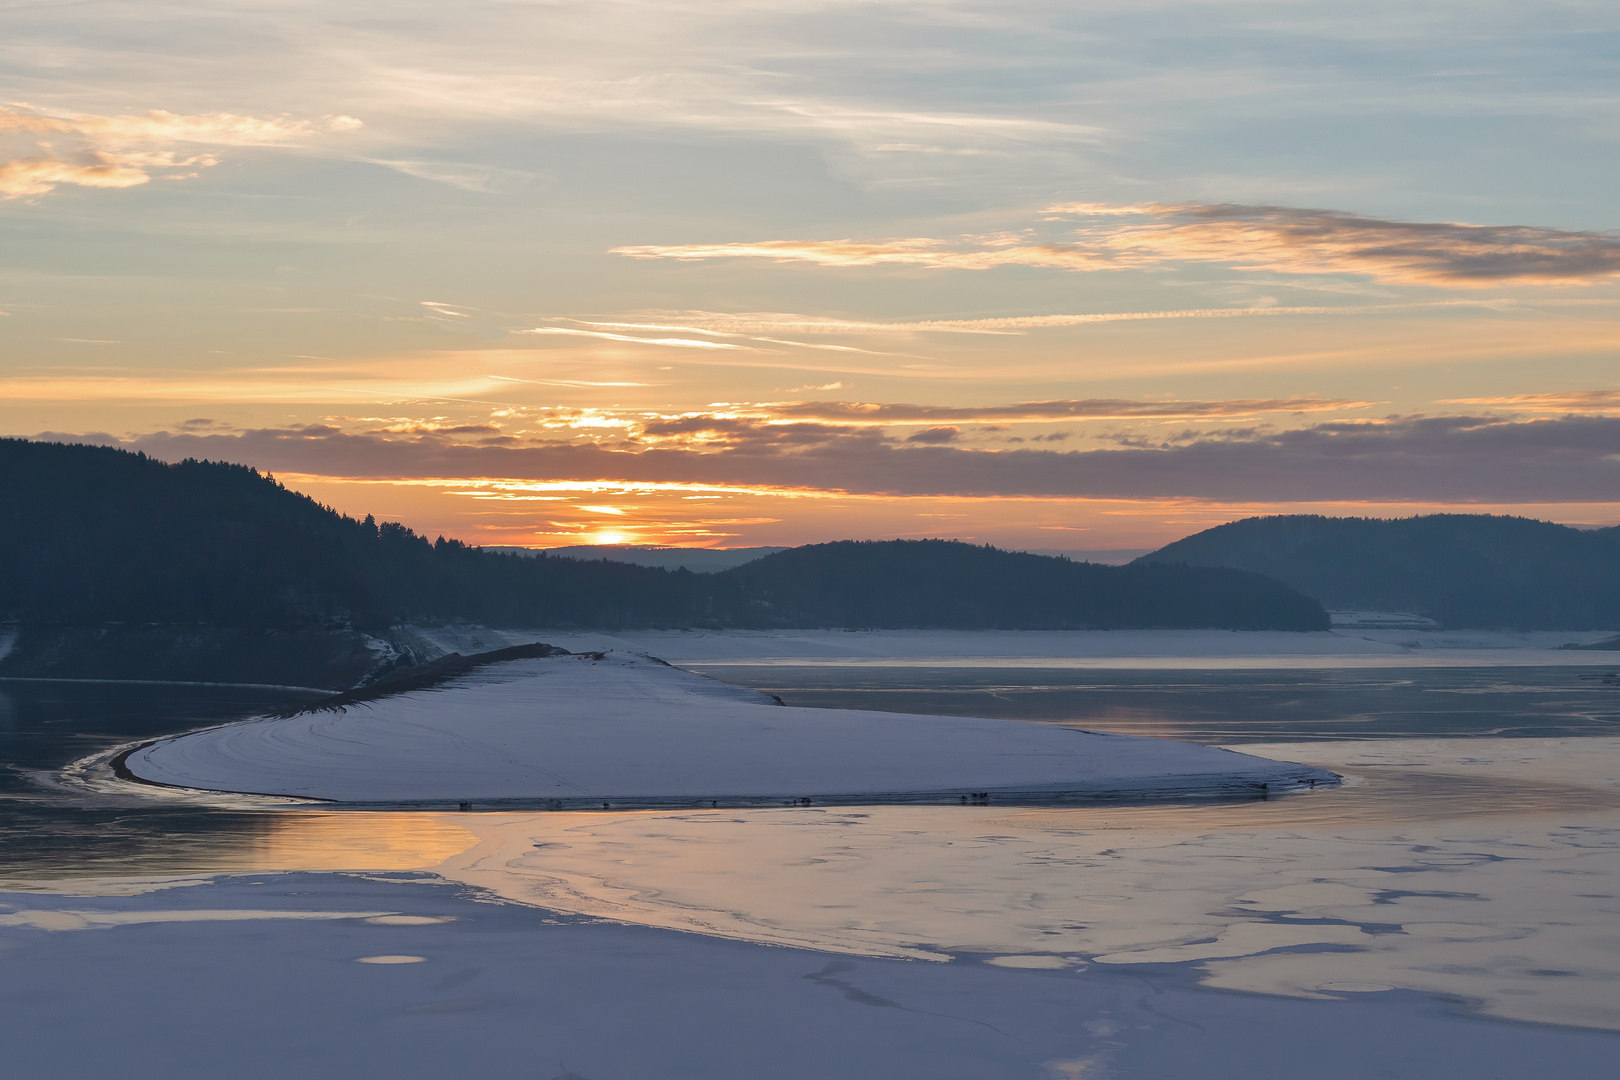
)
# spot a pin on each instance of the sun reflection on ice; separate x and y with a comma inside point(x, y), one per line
point(1468, 871)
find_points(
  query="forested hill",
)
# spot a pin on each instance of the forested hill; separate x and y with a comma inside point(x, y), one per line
point(92, 535)
point(1463, 570)
point(941, 583)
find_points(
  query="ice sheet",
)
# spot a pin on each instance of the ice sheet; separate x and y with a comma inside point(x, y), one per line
point(1515, 913)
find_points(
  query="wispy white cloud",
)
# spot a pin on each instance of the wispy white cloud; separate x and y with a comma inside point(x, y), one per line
point(752, 324)
point(1098, 209)
point(40, 151)
point(658, 326)
point(469, 176)
point(40, 175)
point(561, 382)
point(913, 251)
point(877, 124)
point(734, 333)
point(679, 343)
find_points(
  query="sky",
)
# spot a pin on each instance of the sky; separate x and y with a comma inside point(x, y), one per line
point(1052, 276)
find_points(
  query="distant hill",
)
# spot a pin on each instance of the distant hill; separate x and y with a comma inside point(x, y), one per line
point(100, 549)
point(697, 560)
point(714, 560)
point(1474, 571)
point(895, 584)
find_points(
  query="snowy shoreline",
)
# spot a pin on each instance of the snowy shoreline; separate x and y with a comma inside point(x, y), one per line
point(622, 731)
point(1137, 649)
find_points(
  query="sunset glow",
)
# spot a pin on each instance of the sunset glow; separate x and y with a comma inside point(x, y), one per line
point(733, 276)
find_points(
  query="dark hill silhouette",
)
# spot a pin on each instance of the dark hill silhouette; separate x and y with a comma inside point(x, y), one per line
point(91, 535)
point(1476, 571)
point(940, 583)
point(113, 553)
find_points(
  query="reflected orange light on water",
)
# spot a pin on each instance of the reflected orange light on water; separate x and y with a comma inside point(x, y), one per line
point(356, 841)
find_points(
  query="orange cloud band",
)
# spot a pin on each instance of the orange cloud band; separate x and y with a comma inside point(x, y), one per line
point(1445, 459)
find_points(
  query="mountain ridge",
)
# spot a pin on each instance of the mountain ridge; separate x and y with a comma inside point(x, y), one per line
point(109, 557)
point(1466, 571)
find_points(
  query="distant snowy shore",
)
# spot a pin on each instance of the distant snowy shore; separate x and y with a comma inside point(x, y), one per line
point(623, 730)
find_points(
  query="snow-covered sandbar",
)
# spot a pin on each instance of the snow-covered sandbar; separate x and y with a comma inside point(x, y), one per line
point(624, 730)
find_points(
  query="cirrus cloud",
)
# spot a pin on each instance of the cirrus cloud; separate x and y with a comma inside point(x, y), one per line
point(1271, 238)
point(933, 254)
point(1289, 240)
point(1566, 401)
point(860, 412)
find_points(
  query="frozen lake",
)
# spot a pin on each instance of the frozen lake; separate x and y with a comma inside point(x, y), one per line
point(1448, 912)
point(1221, 706)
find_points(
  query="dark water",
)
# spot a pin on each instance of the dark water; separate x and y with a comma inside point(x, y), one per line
point(46, 725)
point(48, 830)
point(1227, 706)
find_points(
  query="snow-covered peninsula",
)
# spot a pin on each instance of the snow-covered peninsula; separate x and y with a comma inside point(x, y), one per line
point(625, 730)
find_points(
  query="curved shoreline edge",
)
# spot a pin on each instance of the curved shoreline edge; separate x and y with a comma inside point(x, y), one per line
point(1235, 791)
point(118, 765)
